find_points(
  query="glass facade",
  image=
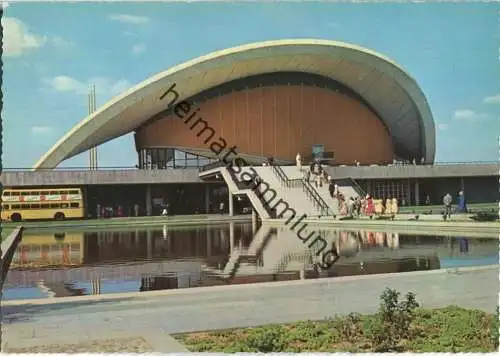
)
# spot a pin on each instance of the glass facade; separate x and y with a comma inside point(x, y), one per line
point(163, 158)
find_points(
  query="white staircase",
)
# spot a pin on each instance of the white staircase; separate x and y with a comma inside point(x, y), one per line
point(347, 191)
point(234, 189)
point(294, 196)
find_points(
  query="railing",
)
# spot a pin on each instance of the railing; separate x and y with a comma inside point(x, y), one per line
point(280, 173)
point(351, 182)
point(212, 165)
point(306, 186)
point(316, 198)
point(209, 166)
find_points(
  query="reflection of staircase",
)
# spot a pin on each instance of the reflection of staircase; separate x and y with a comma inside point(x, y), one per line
point(249, 257)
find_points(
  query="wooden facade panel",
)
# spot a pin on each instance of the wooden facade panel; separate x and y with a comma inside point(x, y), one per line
point(281, 121)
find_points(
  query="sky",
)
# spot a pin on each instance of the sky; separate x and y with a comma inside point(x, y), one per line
point(53, 51)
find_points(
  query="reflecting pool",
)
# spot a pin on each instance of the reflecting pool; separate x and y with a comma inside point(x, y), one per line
point(61, 263)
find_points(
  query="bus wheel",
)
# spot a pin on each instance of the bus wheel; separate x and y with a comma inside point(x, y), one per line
point(15, 217)
point(59, 216)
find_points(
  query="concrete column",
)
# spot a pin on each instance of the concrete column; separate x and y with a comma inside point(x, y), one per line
point(231, 207)
point(136, 237)
point(254, 221)
point(231, 237)
point(86, 207)
point(417, 192)
point(207, 199)
point(408, 193)
point(149, 208)
point(462, 184)
point(96, 287)
point(209, 241)
point(302, 274)
point(149, 244)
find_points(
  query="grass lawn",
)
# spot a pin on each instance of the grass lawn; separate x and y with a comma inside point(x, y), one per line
point(400, 326)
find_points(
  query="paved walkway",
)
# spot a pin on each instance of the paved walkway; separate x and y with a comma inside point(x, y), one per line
point(434, 225)
point(28, 323)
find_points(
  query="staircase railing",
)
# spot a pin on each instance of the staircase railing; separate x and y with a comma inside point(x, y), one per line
point(351, 182)
point(243, 186)
point(316, 198)
point(280, 173)
point(311, 193)
point(212, 165)
point(283, 177)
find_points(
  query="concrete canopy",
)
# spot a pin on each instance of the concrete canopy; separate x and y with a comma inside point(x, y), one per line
point(392, 92)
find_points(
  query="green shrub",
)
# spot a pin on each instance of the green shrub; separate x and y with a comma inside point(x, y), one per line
point(349, 328)
point(267, 339)
point(495, 325)
point(392, 323)
point(485, 216)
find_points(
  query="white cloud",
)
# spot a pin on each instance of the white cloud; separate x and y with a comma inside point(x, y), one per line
point(17, 38)
point(138, 48)
point(61, 42)
point(470, 116)
point(104, 86)
point(494, 99)
point(41, 130)
point(443, 127)
point(130, 19)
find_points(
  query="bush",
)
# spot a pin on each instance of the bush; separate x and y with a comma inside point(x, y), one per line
point(393, 321)
point(485, 216)
point(267, 339)
point(495, 324)
point(350, 328)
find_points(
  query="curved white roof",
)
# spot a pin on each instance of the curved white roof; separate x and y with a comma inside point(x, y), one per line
point(392, 92)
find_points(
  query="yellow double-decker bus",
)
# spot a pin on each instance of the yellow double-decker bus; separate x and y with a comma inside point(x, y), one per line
point(42, 204)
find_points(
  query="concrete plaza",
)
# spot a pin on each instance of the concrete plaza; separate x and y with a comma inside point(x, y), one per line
point(158, 314)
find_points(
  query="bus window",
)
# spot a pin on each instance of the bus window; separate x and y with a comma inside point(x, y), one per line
point(5, 207)
point(74, 192)
point(53, 193)
point(74, 205)
point(25, 206)
point(16, 206)
point(15, 193)
point(64, 205)
point(55, 206)
point(63, 192)
point(35, 206)
point(25, 193)
point(6, 194)
point(44, 206)
point(34, 193)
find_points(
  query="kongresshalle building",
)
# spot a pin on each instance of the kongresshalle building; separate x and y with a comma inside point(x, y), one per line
point(269, 99)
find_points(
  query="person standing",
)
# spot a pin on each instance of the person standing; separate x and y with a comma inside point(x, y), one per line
point(447, 200)
point(462, 204)
point(298, 162)
point(331, 187)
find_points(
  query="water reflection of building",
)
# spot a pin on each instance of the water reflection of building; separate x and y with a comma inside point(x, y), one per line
point(282, 256)
point(171, 258)
point(43, 250)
